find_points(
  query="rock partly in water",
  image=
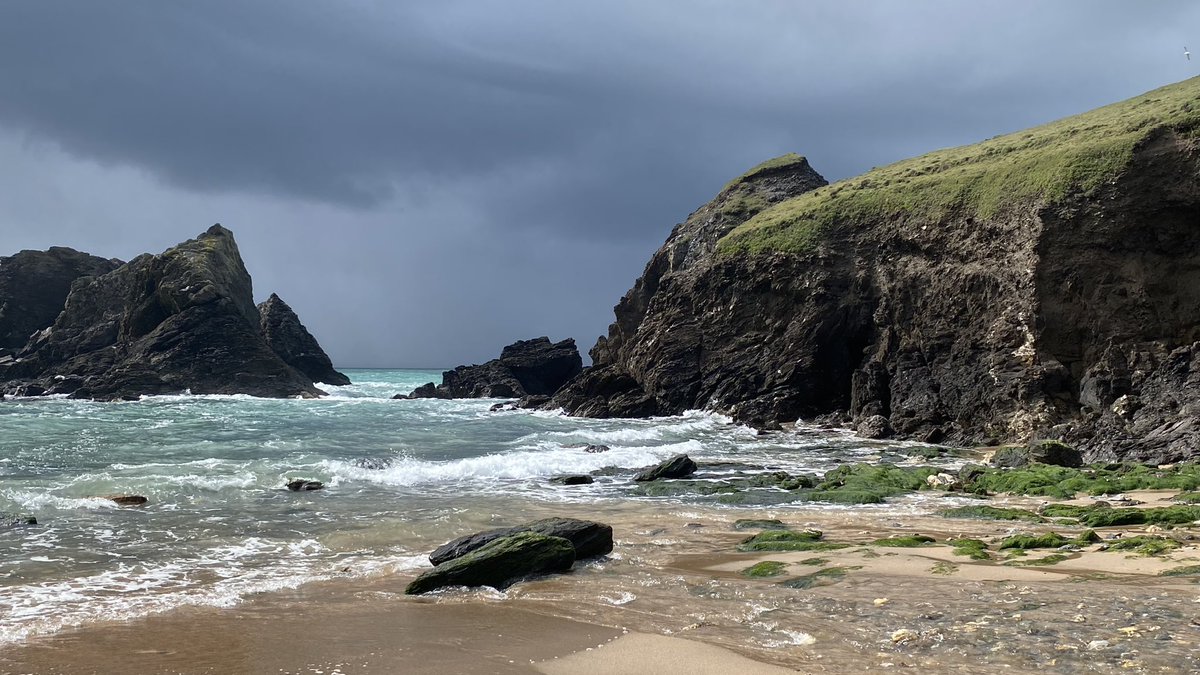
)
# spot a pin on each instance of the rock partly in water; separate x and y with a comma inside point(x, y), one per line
point(7, 521)
point(302, 485)
point(534, 367)
point(589, 538)
point(573, 479)
point(127, 500)
point(499, 563)
point(679, 466)
point(288, 338)
point(427, 390)
point(180, 321)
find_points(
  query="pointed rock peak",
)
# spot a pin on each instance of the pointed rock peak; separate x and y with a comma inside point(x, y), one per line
point(289, 339)
point(791, 163)
point(218, 231)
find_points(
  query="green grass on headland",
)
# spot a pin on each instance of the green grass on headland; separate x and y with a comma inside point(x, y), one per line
point(1040, 165)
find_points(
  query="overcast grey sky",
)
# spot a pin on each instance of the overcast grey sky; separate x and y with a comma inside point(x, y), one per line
point(425, 182)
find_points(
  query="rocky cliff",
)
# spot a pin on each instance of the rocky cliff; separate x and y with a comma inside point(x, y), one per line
point(1040, 284)
point(288, 338)
point(181, 320)
point(33, 287)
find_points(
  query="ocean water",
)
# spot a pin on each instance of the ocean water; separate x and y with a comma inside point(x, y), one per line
point(220, 527)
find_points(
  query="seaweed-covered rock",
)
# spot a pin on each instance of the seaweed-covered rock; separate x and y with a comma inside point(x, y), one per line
point(1053, 453)
point(679, 466)
point(588, 538)
point(499, 563)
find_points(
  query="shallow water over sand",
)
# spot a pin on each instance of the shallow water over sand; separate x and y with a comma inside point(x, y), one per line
point(221, 539)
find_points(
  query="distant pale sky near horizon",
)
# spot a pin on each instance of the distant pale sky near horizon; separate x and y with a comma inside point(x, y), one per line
point(425, 182)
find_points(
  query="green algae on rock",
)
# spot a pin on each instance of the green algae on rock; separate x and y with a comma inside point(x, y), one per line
point(974, 549)
point(766, 568)
point(905, 541)
point(984, 512)
point(787, 540)
point(823, 577)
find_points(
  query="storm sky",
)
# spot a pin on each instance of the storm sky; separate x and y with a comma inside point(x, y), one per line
point(425, 182)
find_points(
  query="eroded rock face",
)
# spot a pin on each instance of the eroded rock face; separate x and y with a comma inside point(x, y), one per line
point(1077, 319)
point(34, 286)
point(530, 368)
point(183, 320)
point(288, 338)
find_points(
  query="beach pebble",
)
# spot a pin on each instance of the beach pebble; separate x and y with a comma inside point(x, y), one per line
point(880, 602)
point(904, 636)
point(1096, 645)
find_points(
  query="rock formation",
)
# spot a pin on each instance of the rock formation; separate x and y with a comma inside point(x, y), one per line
point(288, 338)
point(159, 324)
point(534, 367)
point(1044, 284)
point(33, 287)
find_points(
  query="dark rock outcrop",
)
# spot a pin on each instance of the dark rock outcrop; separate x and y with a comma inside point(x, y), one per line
point(573, 479)
point(1006, 313)
point(288, 338)
point(499, 563)
point(183, 320)
point(7, 521)
point(527, 368)
point(679, 466)
point(128, 500)
point(1042, 452)
point(34, 286)
point(302, 485)
point(588, 538)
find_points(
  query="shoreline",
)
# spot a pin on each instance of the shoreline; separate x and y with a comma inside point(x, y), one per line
point(675, 581)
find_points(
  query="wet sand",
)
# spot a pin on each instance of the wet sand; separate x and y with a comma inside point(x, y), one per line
point(673, 599)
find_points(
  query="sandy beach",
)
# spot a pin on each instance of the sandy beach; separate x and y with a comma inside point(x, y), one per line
point(674, 598)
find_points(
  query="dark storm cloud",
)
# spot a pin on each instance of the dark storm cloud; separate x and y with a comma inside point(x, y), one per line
point(437, 178)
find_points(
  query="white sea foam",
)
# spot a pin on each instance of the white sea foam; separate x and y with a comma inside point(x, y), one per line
point(520, 464)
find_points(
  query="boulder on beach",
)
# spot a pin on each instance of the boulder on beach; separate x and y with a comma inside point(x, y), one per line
point(1041, 452)
point(587, 537)
point(499, 563)
point(678, 466)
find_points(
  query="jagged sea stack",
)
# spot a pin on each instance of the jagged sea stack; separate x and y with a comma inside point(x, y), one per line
point(183, 320)
point(1040, 284)
point(288, 338)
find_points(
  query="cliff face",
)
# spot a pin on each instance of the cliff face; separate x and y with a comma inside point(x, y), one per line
point(288, 338)
point(1044, 284)
point(34, 285)
point(182, 320)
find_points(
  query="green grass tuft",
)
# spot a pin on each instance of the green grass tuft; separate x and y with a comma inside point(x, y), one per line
point(1037, 166)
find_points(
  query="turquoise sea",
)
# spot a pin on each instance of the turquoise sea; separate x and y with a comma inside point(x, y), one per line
point(220, 527)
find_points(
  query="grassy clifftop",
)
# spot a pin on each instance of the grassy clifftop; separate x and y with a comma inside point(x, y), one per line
point(1038, 165)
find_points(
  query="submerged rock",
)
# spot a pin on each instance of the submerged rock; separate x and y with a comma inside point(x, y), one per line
point(679, 466)
point(301, 485)
point(7, 520)
point(127, 500)
point(499, 563)
point(288, 338)
point(588, 538)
